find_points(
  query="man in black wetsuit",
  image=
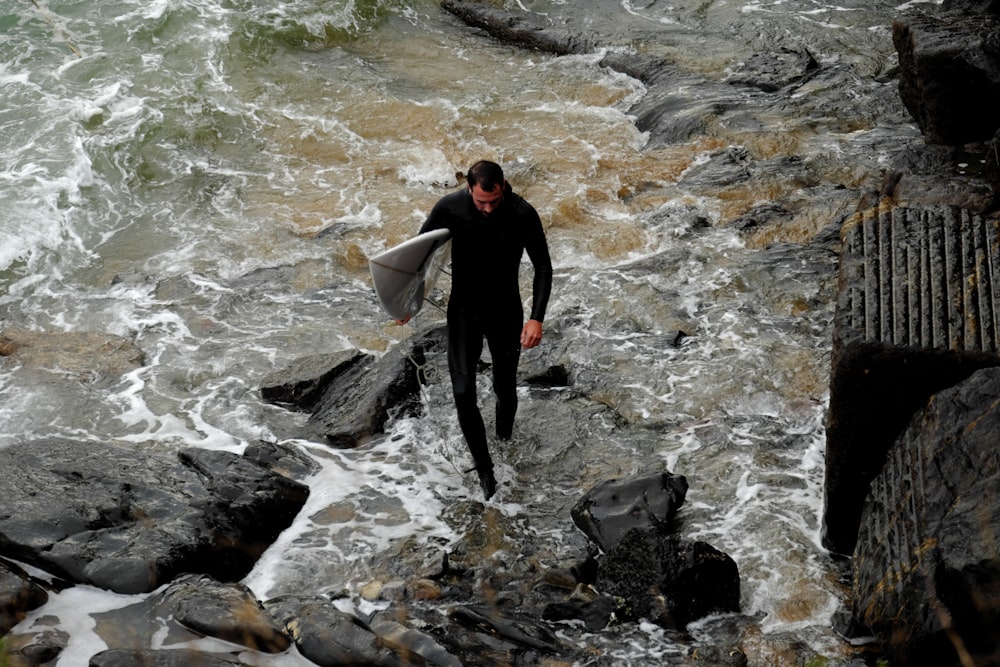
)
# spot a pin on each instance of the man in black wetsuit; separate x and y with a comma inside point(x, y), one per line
point(491, 227)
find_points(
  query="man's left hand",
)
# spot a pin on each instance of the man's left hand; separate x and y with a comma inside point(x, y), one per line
point(531, 334)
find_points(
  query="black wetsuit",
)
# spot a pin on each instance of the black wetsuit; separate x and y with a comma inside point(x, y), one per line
point(485, 303)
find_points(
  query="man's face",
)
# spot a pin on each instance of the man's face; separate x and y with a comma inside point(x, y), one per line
point(486, 201)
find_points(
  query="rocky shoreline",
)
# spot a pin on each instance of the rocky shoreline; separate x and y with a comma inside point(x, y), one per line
point(198, 521)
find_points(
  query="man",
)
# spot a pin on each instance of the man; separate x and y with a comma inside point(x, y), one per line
point(490, 227)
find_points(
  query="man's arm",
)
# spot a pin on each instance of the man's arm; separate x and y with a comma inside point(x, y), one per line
point(538, 252)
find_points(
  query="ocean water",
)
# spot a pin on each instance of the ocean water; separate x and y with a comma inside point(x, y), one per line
point(207, 178)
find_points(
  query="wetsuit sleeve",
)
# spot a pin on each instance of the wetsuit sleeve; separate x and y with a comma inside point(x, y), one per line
point(438, 218)
point(538, 252)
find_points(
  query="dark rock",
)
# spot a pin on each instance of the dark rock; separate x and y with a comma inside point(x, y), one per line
point(281, 459)
point(715, 656)
point(972, 6)
point(914, 316)
point(760, 216)
point(225, 611)
point(991, 170)
point(926, 567)
point(328, 636)
point(19, 594)
point(671, 117)
point(668, 580)
point(611, 509)
point(360, 400)
point(519, 630)
point(130, 520)
point(414, 647)
point(168, 658)
point(725, 167)
point(775, 70)
point(525, 29)
point(553, 376)
point(950, 75)
point(36, 649)
point(595, 613)
point(302, 384)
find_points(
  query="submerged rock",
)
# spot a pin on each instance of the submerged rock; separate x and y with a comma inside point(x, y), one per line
point(79, 355)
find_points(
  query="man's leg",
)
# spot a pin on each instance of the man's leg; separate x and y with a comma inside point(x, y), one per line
point(465, 346)
point(505, 348)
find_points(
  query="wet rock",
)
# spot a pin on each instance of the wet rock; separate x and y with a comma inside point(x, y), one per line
point(950, 75)
point(302, 384)
point(282, 460)
point(519, 632)
point(595, 610)
point(525, 29)
point(30, 650)
point(551, 377)
point(668, 580)
point(360, 399)
point(19, 594)
point(759, 216)
point(130, 519)
point(913, 285)
point(774, 70)
point(166, 658)
point(79, 356)
point(328, 636)
point(715, 656)
point(972, 6)
point(611, 509)
point(725, 167)
point(225, 611)
point(926, 567)
point(415, 648)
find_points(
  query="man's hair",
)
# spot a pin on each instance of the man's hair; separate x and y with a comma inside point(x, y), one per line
point(487, 175)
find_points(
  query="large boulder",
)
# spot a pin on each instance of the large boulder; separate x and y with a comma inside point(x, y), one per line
point(668, 580)
point(363, 394)
point(926, 566)
point(130, 519)
point(611, 509)
point(950, 75)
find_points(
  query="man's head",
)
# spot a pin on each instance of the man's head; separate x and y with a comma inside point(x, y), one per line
point(486, 185)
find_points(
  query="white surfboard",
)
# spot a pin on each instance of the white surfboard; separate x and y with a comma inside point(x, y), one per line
point(404, 275)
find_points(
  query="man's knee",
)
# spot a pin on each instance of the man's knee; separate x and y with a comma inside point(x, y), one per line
point(464, 388)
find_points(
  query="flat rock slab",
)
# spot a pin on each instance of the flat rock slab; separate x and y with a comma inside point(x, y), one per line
point(130, 519)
